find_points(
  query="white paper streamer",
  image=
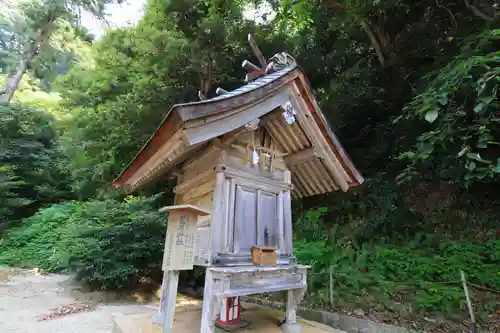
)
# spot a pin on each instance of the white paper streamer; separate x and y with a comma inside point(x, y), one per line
point(289, 113)
point(255, 157)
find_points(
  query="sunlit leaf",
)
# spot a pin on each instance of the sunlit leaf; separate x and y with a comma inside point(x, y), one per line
point(431, 115)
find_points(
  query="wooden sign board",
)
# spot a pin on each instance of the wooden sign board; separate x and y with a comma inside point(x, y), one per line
point(180, 242)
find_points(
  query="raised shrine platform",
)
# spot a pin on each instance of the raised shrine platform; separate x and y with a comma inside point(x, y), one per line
point(223, 282)
point(247, 280)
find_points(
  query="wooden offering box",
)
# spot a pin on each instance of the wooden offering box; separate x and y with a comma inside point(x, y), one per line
point(239, 159)
point(264, 256)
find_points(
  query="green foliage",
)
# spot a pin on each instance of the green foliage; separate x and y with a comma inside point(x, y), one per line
point(425, 273)
point(374, 269)
point(123, 97)
point(31, 162)
point(56, 23)
point(137, 74)
point(32, 93)
point(462, 103)
point(107, 244)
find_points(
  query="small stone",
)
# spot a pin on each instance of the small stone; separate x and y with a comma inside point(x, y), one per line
point(359, 313)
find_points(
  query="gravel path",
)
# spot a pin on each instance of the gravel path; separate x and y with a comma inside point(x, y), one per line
point(26, 296)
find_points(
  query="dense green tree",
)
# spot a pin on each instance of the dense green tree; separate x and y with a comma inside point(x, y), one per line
point(138, 73)
point(32, 166)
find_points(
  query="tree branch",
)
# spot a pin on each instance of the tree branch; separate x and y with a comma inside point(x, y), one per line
point(449, 12)
point(368, 28)
point(337, 5)
point(478, 12)
point(206, 76)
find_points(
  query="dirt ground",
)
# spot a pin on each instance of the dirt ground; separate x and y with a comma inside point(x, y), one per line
point(30, 302)
point(188, 314)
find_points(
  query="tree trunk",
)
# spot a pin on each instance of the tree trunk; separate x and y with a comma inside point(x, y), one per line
point(376, 42)
point(13, 80)
point(206, 77)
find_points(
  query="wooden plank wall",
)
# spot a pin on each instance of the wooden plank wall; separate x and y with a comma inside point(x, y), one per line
point(197, 188)
point(199, 181)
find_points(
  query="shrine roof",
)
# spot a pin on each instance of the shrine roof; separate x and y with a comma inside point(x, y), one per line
point(253, 85)
point(247, 88)
point(188, 127)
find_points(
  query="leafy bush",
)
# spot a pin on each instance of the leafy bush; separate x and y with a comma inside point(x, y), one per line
point(107, 244)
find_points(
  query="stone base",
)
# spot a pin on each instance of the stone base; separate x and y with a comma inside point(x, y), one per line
point(233, 327)
point(291, 328)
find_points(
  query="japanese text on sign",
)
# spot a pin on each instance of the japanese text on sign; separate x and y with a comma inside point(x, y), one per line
point(180, 242)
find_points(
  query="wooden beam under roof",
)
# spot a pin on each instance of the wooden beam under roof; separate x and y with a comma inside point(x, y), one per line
point(314, 134)
point(304, 89)
point(225, 141)
point(300, 157)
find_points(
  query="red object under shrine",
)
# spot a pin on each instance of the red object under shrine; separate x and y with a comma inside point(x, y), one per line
point(230, 313)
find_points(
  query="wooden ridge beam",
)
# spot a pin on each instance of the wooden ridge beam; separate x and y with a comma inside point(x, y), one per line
point(249, 66)
point(221, 91)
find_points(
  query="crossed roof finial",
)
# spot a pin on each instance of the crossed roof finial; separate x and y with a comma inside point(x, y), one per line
point(277, 61)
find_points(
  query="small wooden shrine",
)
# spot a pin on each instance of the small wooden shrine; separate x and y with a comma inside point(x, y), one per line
point(239, 159)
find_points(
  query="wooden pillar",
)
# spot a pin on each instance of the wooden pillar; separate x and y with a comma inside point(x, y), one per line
point(287, 215)
point(166, 310)
point(293, 299)
point(291, 307)
point(212, 303)
point(217, 234)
